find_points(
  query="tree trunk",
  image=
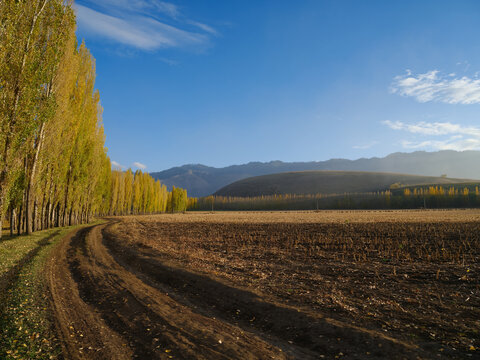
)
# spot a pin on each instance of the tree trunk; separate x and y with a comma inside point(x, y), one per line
point(2, 218)
point(19, 221)
point(34, 216)
point(12, 216)
point(36, 148)
point(42, 218)
point(56, 215)
point(2, 197)
point(49, 215)
point(65, 209)
point(13, 114)
point(59, 220)
point(27, 211)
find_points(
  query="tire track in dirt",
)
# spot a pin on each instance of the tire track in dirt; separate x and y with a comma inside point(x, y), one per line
point(300, 333)
point(112, 301)
point(82, 331)
point(103, 311)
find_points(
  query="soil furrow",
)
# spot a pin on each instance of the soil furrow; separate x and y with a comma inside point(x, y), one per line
point(126, 290)
point(145, 321)
point(297, 332)
point(82, 331)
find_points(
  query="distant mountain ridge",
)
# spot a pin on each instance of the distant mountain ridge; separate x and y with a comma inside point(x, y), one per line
point(201, 180)
point(327, 182)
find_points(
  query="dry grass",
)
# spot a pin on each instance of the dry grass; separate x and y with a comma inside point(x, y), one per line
point(324, 216)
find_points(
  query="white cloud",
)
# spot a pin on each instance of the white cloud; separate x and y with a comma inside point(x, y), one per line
point(433, 128)
point(145, 25)
point(139, 165)
point(116, 165)
point(203, 27)
point(450, 144)
point(138, 6)
point(164, 7)
point(433, 86)
point(448, 136)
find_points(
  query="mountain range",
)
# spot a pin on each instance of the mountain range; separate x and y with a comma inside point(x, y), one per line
point(328, 182)
point(201, 180)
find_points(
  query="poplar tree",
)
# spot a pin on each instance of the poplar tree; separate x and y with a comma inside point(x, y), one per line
point(25, 64)
point(54, 168)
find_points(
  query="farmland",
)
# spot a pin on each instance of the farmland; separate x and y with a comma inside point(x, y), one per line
point(299, 285)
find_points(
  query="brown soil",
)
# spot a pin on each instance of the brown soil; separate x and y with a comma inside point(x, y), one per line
point(184, 288)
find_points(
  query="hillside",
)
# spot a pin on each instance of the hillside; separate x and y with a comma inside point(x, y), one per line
point(201, 180)
point(325, 182)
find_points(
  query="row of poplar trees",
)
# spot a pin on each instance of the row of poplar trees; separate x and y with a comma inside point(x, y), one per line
point(54, 169)
point(139, 193)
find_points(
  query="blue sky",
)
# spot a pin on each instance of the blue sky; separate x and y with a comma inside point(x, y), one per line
point(228, 82)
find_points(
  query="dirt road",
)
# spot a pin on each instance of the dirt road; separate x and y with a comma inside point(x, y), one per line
point(111, 300)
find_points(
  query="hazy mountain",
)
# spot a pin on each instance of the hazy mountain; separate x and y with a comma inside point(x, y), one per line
point(325, 182)
point(200, 180)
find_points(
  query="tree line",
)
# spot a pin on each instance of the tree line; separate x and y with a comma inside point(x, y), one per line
point(54, 168)
point(139, 193)
point(398, 197)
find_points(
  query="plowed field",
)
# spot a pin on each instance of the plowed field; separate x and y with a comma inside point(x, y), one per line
point(352, 285)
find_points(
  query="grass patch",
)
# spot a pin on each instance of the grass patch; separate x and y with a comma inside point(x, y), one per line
point(25, 328)
point(13, 249)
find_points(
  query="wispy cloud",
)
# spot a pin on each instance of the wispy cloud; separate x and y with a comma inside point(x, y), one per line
point(138, 6)
point(144, 25)
point(449, 144)
point(434, 128)
point(139, 165)
point(203, 27)
point(434, 86)
point(448, 136)
point(116, 165)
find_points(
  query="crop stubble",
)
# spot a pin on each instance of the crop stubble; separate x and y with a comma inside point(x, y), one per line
point(285, 285)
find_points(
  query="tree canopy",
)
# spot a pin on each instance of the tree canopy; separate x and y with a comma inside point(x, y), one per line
point(54, 168)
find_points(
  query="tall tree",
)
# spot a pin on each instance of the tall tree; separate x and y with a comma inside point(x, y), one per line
point(54, 168)
point(25, 28)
